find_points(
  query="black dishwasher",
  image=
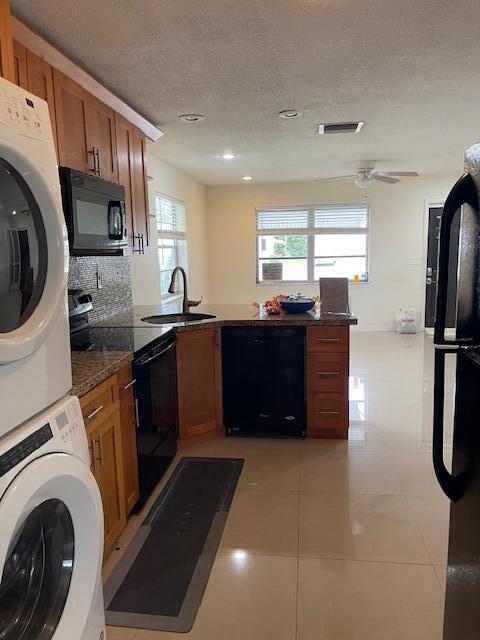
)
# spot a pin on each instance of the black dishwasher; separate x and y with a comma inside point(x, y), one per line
point(156, 402)
point(264, 381)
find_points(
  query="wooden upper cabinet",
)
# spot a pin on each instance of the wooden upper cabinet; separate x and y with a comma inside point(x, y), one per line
point(7, 64)
point(123, 138)
point(20, 65)
point(132, 173)
point(40, 83)
point(100, 124)
point(70, 110)
point(139, 186)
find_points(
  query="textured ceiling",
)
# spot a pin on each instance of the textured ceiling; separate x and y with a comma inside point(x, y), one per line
point(409, 68)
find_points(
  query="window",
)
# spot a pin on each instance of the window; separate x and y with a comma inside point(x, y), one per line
point(306, 243)
point(171, 237)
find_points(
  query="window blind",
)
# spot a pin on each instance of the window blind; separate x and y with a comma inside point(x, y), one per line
point(270, 220)
point(171, 219)
point(341, 217)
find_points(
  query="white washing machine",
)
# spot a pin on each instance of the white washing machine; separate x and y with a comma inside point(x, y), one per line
point(35, 368)
point(51, 533)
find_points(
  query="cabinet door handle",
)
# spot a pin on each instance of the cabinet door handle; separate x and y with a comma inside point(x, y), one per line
point(328, 413)
point(93, 461)
point(130, 384)
point(102, 454)
point(135, 238)
point(328, 339)
point(94, 413)
point(97, 155)
point(92, 153)
point(327, 373)
point(142, 245)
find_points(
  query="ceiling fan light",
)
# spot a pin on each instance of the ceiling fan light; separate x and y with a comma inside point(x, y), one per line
point(362, 180)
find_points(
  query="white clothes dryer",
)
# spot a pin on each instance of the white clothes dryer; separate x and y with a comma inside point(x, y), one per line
point(51, 533)
point(35, 367)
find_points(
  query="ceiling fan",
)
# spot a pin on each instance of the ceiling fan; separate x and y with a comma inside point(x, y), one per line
point(365, 174)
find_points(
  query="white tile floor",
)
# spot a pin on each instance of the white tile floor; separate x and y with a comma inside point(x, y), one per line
point(333, 540)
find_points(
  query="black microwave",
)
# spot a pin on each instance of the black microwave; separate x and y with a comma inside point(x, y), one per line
point(94, 214)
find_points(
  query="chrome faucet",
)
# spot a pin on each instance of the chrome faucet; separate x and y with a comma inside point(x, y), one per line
point(171, 289)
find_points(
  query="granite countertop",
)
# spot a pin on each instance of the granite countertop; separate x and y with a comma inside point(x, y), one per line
point(90, 368)
point(231, 314)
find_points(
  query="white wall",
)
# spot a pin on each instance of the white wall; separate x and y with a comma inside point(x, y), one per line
point(145, 269)
point(396, 268)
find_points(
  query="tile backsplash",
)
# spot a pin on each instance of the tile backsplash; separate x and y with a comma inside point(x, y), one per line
point(115, 296)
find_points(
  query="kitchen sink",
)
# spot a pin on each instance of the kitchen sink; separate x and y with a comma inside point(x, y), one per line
point(176, 318)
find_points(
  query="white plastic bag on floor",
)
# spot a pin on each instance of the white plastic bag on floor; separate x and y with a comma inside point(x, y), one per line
point(407, 321)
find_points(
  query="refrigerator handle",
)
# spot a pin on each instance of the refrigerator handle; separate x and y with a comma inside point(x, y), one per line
point(464, 192)
point(452, 485)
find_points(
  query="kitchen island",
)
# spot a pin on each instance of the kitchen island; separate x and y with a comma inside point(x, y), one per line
point(199, 362)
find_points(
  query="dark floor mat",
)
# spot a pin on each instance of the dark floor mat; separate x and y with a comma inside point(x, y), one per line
point(159, 582)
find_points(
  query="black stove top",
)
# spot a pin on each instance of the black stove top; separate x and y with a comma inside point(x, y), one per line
point(117, 338)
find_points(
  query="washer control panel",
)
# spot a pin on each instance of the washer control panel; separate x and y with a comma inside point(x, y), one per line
point(23, 112)
point(23, 449)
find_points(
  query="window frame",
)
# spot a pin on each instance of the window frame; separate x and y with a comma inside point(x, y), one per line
point(311, 231)
point(175, 236)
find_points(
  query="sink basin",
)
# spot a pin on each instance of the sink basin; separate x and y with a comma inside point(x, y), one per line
point(176, 318)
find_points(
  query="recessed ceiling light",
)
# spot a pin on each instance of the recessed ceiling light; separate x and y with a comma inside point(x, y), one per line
point(247, 178)
point(290, 114)
point(191, 117)
point(228, 156)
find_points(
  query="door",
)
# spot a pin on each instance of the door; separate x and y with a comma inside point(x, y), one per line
point(70, 108)
point(100, 124)
point(462, 486)
point(129, 437)
point(434, 222)
point(50, 549)
point(29, 224)
point(106, 454)
point(40, 83)
point(139, 186)
point(123, 139)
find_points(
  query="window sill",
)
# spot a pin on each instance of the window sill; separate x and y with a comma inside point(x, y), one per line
point(277, 283)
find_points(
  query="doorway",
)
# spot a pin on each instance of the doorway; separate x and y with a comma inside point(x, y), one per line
point(434, 222)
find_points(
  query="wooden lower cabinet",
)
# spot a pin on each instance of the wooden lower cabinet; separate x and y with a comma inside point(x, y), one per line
point(327, 381)
point(128, 426)
point(109, 414)
point(105, 441)
point(199, 385)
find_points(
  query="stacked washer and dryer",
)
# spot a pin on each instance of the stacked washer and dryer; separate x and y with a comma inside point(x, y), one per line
point(51, 520)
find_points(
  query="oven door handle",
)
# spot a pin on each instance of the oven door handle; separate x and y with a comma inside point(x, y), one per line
point(155, 357)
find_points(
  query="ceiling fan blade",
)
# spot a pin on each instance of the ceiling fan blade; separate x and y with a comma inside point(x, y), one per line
point(352, 175)
point(407, 174)
point(382, 178)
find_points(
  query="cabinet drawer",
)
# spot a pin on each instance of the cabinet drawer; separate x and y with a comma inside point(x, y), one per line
point(100, 402)
point(327, 372)
point(328, 339)
point(327, 410)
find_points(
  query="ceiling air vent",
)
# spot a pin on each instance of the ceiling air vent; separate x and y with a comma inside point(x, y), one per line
point(340, 127)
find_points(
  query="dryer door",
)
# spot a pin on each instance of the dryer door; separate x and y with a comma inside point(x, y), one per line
point(51, 548)
point(33, 251)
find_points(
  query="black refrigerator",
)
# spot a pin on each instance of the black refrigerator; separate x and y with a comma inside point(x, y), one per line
point(461, 483)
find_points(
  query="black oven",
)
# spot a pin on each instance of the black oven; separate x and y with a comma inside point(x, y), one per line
point(155, 372)
point(94, 213)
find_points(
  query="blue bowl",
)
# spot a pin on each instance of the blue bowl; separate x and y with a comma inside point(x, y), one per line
point(297, 306)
